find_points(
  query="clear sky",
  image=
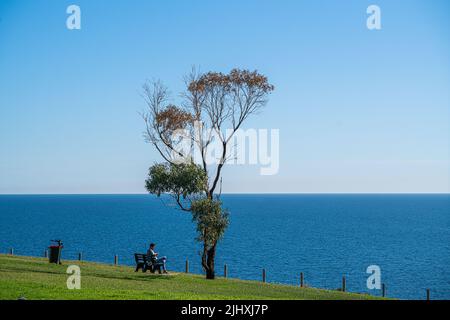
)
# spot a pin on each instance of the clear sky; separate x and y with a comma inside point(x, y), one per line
point(358, 110)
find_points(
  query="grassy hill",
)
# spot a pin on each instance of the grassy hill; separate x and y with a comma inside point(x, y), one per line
point(35, 278)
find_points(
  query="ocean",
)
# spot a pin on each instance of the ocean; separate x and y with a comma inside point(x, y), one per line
point(325, 236)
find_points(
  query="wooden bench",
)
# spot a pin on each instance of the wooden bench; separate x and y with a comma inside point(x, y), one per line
point(145, 263)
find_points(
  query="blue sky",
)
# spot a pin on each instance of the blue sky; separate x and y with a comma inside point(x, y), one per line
point(358, 110)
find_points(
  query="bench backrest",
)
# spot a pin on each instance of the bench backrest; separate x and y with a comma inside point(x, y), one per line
point(140, 257)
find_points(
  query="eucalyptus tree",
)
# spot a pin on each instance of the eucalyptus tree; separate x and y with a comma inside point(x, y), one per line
point(214, 106)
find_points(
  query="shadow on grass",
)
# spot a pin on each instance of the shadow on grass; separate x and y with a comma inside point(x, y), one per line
point(132, 276)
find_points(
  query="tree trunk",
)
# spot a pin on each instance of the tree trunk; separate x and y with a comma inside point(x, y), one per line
point(208, 258)
point(209, 253)
point(205, 258)
point(210, 273)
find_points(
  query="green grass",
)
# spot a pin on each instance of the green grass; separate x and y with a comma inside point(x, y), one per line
point(35, 278)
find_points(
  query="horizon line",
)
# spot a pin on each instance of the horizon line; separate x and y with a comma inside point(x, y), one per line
point(237, 193)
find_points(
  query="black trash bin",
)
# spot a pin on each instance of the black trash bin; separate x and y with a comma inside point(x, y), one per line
point(55, 252)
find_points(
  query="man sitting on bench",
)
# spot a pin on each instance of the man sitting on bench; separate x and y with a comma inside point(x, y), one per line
point(154, 257)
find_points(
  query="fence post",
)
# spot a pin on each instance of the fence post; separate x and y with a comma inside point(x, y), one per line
point(46, 253)
point(80, 256)
point(187, 266)
point(11, 251)
point(344, 287)
point(264, 275)
point(225, 271)
point(301, 280)
point(383, 290)
point(116, 260)
point(428, 294)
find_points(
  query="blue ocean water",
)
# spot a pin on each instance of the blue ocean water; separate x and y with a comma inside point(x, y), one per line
point(323, 236)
